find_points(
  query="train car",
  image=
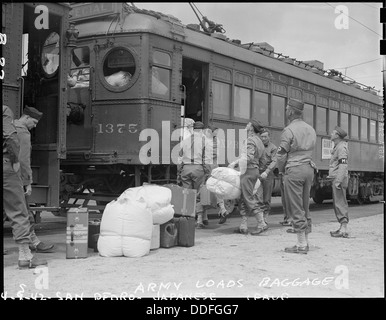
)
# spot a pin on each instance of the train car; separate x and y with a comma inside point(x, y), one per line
point(128, 87)
point(35, 43)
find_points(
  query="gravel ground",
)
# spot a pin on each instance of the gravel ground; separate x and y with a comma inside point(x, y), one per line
point(223, 265)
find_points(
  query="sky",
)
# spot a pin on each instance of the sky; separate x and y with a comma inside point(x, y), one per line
point(305, 31)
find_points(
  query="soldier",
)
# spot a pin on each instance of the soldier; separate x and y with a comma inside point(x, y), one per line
point(248, 164)
point(27, 122)
point(13, 194)
point(339, 173)
point(196, 160)
point(266, 170)
point(294, 158)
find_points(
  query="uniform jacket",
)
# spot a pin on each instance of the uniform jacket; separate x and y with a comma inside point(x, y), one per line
point(25, 152)
point(197, 149)
point(297, 142)
point(11, 146)
point(269, 158)
point(338, 162)
point(253, 150)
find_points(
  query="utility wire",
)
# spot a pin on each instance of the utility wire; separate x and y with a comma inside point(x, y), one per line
point(355, 20)
point(359, 64)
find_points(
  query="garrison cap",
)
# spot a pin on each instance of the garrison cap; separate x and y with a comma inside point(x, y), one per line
point(257, 125)
point(296, 104)
point(198, 125)
point(33, 113)
point(340, 132)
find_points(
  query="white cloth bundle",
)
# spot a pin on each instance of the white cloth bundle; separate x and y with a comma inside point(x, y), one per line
point(126, 229)
point(224, 182)
point(157, 198)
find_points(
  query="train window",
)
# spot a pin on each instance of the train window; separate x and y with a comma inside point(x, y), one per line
point(80, 68)
point(160, 76)
point(260, 107)
point(321, 120)
point(364, 129)
point(344, 122)
point(308, 114)
point(161, 58)
point(278, 111)
point(50, 54)
point(333, 119)
point(373, 125)
point(118, 68)
point(221, 98)
point(354, 127)
point(242, 103)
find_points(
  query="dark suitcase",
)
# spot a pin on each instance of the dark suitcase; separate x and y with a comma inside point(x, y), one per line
point(183, 200)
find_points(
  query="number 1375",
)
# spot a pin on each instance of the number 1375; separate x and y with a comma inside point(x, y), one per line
point(119, 128)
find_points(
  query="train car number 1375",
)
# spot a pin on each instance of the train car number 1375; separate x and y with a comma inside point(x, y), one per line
point(116, 128)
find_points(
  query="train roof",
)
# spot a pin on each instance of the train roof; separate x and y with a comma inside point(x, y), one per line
point(129, 19)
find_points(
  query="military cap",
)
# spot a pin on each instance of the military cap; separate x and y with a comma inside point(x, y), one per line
point(296, 104)
point(257, 125)
point(198, 125)
point(33, 113)
point(340, 132)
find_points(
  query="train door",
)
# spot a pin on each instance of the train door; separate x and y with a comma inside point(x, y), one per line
point(37, 31)
point(195, 80)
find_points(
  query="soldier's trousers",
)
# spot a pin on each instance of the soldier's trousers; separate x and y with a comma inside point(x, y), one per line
point(340, 201)
point(283, 199)
point(297, 187)
point(192, 177)
point(14, 204)
point(249, 203)
point(267, 185)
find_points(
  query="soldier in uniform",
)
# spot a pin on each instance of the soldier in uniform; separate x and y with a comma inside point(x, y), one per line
point(339, 173)
point(13, 194)
point(248, 164)
point(294, 158)
point(27, 122)
point(196, 159)
point(266, 170)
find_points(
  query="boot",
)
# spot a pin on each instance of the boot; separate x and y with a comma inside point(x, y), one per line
point(301, 246)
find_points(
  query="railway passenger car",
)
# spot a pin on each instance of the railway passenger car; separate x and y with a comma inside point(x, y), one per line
point(127, 83)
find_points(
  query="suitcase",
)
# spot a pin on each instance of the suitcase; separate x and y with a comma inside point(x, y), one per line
point(77, 234)
point(186, 229)
point(183, 200)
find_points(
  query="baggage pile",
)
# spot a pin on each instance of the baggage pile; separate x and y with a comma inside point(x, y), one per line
point(147, 218)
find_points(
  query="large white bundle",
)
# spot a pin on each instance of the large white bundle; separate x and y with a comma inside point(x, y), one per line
point(225, 182)
point(119, 79)
point(126, 229)
point(157, 198)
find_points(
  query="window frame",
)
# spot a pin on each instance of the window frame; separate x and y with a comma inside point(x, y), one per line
point(134, 77)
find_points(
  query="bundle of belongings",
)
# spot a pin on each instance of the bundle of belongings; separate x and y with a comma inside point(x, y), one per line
point(130, 223)
point(225, 183)
point(119, 79)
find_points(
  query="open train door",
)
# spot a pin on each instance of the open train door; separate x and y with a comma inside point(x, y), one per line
point(195, 80)
point(41, 32)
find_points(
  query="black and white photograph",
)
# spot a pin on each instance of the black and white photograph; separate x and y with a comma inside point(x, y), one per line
point(180, 151)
